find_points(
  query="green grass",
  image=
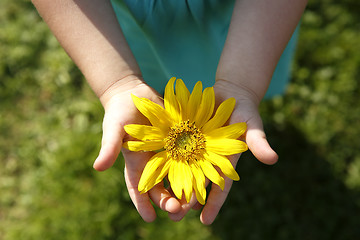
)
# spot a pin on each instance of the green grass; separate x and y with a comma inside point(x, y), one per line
point(50, 124)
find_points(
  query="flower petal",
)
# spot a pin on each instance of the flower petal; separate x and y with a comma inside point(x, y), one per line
point(150, 182)
point(231, 131)
point(223, 163)
point(187, 180)
point(182, 95)
point(180, 178)
point(221, 116)
point(151, 166)
point(156, 177)
point(194, 102)
point(211, 173)
point(137, 146)
point(170, 101)
point(225, 146)
point(164, 170)
point(206, 107)
point(156, 114)
point(144, 132)
point(198, 182)
point(175, 178)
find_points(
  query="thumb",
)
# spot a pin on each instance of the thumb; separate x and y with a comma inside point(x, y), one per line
point(113, 133)
point(258, 144)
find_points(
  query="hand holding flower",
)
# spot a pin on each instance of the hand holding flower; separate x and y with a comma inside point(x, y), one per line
point(246, 110)
point(120, 111)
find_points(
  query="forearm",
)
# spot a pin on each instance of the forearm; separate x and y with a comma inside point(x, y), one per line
point(258, 34)
point(89, 32)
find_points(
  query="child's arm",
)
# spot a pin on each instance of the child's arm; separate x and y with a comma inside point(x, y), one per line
point(258, 34)
point(89, 32)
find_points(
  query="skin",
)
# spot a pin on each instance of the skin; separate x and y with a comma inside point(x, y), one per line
point(89, 32)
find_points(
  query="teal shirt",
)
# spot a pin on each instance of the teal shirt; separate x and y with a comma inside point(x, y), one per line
point(184, 39)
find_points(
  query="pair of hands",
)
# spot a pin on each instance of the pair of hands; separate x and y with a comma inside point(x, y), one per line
point(120, 111)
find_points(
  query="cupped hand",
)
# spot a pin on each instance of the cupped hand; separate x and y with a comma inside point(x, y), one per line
point(120, 111)
point(246, 110)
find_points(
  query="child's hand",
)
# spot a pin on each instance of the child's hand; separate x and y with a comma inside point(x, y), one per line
point(246, 110)
point(120, 111)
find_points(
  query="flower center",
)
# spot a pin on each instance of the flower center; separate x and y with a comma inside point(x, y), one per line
point(185, 141)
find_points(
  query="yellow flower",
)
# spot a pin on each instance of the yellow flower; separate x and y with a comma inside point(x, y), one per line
point(189, 142)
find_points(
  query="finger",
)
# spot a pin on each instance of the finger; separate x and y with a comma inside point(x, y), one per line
point(141, 203)
point(217, 196)
point(255, 136)
point(111, 143)
point(197, 206)
point(134, 163)
point(185, 208)
point(215, 201)
point(163, 199)
point(259, 146)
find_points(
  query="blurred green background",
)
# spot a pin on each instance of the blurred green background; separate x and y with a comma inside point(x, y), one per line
point(50, 126)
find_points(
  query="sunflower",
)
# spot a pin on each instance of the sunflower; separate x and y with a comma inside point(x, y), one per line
point(188, 139)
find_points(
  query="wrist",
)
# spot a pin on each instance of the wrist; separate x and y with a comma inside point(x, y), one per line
point(119, 88)
point(240, 91)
